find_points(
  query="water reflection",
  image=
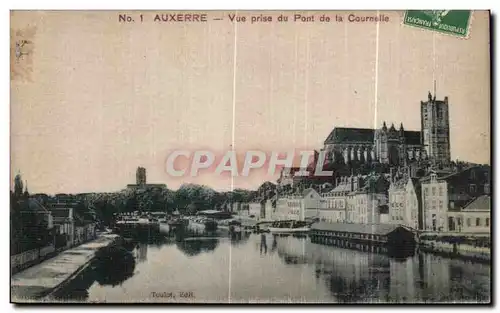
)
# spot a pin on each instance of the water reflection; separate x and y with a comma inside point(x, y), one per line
point(111, 267)
point(279, 268)
point(263, 244)
point(362, 276)
point(239, 238)
point(141, 252)
point(114, 267)
point(195, 246)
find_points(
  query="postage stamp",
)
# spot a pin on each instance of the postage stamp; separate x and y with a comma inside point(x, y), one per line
point(453, 22)
point(260, 157)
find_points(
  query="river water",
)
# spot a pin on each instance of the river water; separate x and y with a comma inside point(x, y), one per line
point(270, 268)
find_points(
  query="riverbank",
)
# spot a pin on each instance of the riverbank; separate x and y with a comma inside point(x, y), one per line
point(462, 251)
point(43, 279)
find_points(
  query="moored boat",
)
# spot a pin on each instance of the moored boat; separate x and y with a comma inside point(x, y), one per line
point(289, 227)
point(202, 224)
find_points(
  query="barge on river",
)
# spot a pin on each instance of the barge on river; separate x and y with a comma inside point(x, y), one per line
point(289, 227)
point(133, 227)
point(396, 238)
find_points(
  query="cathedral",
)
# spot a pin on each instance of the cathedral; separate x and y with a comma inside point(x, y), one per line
point(395, 146)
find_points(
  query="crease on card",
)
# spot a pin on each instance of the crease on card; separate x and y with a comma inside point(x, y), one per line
point(376, 72)
point(235, 55)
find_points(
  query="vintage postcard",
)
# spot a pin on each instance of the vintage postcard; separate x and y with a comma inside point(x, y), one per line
point(250, 157)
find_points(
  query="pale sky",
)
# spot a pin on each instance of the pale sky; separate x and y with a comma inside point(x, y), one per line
point(106, 97)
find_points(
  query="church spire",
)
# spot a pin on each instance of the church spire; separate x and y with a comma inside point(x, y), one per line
point(26, 193)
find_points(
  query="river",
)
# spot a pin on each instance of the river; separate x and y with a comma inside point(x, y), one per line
point(270, 268)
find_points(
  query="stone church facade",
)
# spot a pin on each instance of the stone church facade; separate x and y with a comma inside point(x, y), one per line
point(396, 147)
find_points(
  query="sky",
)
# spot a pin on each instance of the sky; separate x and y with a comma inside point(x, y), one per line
point(98, 98)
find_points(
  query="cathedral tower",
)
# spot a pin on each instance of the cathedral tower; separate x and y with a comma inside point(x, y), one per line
point(140, 176)
point(435, 129)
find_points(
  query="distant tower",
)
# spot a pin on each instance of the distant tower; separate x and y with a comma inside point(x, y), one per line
point(26, 192)
point(18, 185)
point(403, 153)
point(380, 144)
point(435, 129)
point(140, 176)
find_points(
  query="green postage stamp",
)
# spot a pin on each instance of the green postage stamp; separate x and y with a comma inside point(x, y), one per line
point(453, 22)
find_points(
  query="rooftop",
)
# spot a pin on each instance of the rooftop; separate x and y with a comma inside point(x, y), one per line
point(376, 229)
point(33, 205)
point(365, 135)
point(481, 203)
point(61, 212)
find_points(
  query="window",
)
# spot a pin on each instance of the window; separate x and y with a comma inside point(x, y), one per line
point(452, 205)
point(433, 177)
point(472, 188)
point(469, 222)
point(487, 188)
point(440, 190)
point(478, 221)
point(472, 175)
point(433, 191)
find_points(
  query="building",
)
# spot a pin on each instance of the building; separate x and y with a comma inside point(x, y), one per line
point(140, 176)
point(369, 199)
point(435, 129)
point(474, 217)
point(451, 193)
point(33, 207)
point(31, 225)
point(288, 207)
point(435, 203)
point(251, 209)
point(288, 177)
point(392, 235)
point(311, 203)
point(215, 214)
point(298, 206)
point(141, 185)
point(394, 146)
point(384, 145)
point(405, 205)
point(84, 226)
point(65, 227)
point(351, 210)
point(336, 206)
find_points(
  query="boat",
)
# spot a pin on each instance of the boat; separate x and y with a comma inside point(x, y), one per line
point(202, 224)
point(176, 222)
point(228, 224)
point(289, 227)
